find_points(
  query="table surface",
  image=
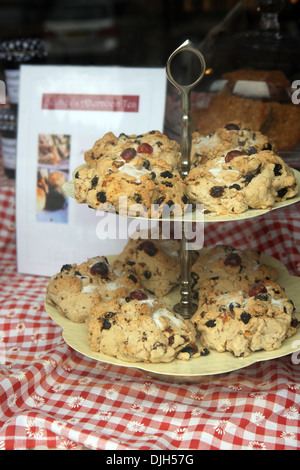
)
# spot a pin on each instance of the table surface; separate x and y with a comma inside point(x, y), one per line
point(52, 397)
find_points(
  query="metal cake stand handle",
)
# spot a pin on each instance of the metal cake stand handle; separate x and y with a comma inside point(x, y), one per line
point(185, 307)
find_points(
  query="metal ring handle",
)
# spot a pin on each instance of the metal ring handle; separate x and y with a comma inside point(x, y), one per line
point(186, 46)
point(185, 91)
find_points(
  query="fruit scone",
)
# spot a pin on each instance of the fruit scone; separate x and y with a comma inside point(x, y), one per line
point(77, 288)
point(141, 168)
point(139, 328)
point(150, 144)
point(227, 262)
point(232, 136)
point(155, 262)
point(244, 317)
point(236, 181)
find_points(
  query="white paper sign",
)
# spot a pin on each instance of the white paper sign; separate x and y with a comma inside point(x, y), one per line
point(63, 110)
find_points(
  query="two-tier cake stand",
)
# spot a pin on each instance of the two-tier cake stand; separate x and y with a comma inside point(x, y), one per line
point(180, 299)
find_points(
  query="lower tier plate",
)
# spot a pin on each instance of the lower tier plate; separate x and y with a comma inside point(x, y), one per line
point(198, 369)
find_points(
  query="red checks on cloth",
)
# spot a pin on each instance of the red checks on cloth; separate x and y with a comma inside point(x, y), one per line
point(52, 397)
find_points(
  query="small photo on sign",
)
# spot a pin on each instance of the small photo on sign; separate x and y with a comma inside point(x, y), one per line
point(54, 149)
point(51, 202)
point(52, 173)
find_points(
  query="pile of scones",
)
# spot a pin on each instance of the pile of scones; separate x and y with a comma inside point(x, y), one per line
point(233, 169)
point(241, 307)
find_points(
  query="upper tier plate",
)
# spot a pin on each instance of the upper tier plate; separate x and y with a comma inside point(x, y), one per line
point(197, 369)
point(68, 188)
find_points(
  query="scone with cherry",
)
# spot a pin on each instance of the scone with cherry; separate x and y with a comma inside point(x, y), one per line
point(232, 136)
point(242, 318)
point(128, 174)
point(155, 262)
point(139, 328)
point(78, 287)
point(227, 262)
point(236, 181)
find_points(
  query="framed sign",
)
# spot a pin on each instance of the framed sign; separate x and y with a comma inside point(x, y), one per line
point(63, 110)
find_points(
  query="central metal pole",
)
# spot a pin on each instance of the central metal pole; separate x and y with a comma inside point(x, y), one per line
point(185, 307)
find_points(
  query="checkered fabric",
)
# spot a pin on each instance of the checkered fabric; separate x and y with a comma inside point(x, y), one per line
point(52, 397)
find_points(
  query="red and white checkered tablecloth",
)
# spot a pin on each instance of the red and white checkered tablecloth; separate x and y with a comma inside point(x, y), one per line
point(52, 397)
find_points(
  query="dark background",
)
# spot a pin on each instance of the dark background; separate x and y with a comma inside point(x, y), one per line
point(142, 33)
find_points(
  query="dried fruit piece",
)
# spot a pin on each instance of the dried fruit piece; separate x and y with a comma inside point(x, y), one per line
point(149, 248)
point(257, 289)
point(217, 191)
point(101, 196)
point(233, 305)
point(282, 192)
point(166, 174)
point(160, 200)
point(100, 269)
point(210, 323)
point(277, 169)
point(245, 317)
point(110, 314)
point(294, 322)
point(66, 267)
point(132, 278)
point(232, 127)
point(128, 154)
point(145, 148)
point(233, 259)
point(248, 178)
point(106, 324)
point(204, 352)
point(191, 349)
point(262, 297)
point(94, 182)
point(251, 151)
point(232, 154)
point(138, 294)
point(235, 186)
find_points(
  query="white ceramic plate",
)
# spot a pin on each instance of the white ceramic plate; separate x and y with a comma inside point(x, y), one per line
point(68, 188)
point(197, 369)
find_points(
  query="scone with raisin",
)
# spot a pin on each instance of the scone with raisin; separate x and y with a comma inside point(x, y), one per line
point(158, 269)
point(77, 288)
point(129, 175)
point(235, 182)
point(225, 261)
point(139, 328)
point(246, 318)
point(152, 144)
point(233, 136)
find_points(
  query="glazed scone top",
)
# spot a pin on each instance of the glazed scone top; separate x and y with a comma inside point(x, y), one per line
point(246, 317)
point(231, 166)
point(139, 328)
point(145, 182)
point(131, 167)
point(77, 287)
point(158, 269)
point(236, 181)
point(227, 262)
point(233, 136)
point(152, 144)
